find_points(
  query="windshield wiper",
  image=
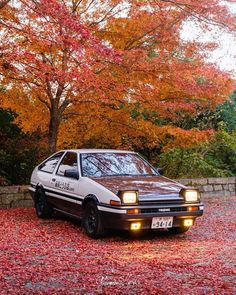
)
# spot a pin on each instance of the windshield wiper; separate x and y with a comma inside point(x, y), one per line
point(150, 174)
point(127, 174)
point(121, 174)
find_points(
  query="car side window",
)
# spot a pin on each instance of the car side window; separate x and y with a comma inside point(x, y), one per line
point(68, 162)
point(50, 164)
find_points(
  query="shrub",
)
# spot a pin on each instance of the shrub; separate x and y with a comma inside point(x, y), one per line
point(19, 151)
point(214, 159)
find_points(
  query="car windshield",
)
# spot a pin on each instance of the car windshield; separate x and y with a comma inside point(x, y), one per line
point(114, 164)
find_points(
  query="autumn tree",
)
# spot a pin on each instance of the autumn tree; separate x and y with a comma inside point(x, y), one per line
point(52, 59)
point(83, 67)
point(165, 80)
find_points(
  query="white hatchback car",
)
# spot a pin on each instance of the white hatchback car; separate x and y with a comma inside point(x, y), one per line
point(112, 189)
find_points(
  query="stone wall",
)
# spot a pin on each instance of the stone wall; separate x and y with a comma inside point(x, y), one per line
point(18, 196)
point(15, 196)
point(213, 187)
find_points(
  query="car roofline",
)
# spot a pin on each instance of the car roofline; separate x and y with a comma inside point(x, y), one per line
point(81, 151)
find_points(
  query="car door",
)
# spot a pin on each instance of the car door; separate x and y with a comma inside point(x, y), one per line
point(66, 186)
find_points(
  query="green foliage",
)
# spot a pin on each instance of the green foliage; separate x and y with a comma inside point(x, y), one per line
point(214, 159)
point(227, 113)
point(223, 118)
point(202, 121)
point(222, 151)
point(6, 125)
point(179, 163)
point(18, 151)
point(148, 115)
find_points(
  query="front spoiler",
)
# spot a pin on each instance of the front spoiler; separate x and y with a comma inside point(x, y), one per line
point(123, 221)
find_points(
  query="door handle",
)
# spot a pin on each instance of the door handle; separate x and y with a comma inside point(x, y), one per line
point(53, 179)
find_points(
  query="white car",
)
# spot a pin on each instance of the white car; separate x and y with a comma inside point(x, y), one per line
point(112, 189)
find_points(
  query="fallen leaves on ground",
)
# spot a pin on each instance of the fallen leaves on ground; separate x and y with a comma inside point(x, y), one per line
point(56, 257)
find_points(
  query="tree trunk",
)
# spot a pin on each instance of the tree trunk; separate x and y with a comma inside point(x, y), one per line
point(54, 124)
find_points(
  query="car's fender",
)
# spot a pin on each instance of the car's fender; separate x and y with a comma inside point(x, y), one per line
point(89, 187)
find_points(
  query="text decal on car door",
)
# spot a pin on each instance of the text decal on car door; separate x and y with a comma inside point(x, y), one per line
point(64, 185)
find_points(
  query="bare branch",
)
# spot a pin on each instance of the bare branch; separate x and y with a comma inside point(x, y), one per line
point(100, 117)
point(44, 102)
point(63, 106)
point(192, 12)
point(106, 15)
point(87, 8)
point(131, 43)
point(75, 5)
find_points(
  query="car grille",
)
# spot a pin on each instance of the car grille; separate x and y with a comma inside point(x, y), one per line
point(158, 210)
point(161, 202)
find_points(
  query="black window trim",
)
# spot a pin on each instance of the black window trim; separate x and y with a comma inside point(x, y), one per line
point(146, 161)
point(58, 164)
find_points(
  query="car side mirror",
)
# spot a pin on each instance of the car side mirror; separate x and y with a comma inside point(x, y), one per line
point(72, 173)
point(160, 171)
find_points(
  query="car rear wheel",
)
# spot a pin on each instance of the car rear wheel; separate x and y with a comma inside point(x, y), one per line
point(43, 209)
point(92, 221)
point(178, 230)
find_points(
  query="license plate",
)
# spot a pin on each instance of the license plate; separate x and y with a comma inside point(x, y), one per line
point(162, 222)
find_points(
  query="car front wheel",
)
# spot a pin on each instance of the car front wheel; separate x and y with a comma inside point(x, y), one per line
point(92, 221)
point(43, 209)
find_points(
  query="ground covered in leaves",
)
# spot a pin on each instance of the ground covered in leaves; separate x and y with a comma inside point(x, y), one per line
point(56, 257)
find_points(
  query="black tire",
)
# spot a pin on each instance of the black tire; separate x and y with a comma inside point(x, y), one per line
point(92, 221)
point(43, 209)
point(178, 230)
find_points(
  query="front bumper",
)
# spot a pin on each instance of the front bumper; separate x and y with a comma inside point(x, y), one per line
point(123, 221)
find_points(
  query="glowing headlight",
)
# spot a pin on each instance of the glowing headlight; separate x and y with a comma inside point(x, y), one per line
point(191, 195)
point(129, 197)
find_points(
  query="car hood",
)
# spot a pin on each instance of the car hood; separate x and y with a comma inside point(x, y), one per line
point(149, 187)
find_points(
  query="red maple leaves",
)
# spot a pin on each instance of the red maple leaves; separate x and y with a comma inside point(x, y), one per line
point(56, 257)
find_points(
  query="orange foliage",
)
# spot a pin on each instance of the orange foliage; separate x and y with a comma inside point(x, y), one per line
point(78, 68)
point(116, 129)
